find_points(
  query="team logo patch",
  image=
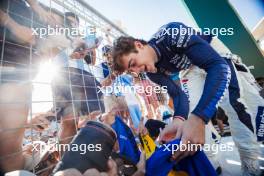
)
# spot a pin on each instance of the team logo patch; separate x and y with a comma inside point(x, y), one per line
point(260, 123)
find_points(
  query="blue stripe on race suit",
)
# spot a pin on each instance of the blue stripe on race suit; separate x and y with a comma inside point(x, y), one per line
point(260, 123)
point(234, 95)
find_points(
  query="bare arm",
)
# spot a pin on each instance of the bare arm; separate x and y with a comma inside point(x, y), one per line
point(45, 16)
point(22, 33)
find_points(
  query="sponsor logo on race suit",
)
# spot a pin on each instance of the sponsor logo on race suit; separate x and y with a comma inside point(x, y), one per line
point(260, 123)
point(185, 89)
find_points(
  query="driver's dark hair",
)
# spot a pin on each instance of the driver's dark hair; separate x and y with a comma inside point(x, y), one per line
point(122, 46)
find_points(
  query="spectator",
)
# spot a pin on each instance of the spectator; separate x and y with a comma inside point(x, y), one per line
point(74, 87)
point(19, 62)
point(127, 146)
point(93, 42)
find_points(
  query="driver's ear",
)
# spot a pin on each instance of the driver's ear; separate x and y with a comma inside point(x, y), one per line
point(138, 44)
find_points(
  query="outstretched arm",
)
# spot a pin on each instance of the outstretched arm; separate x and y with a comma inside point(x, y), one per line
point(22, 33)
point(201, 54)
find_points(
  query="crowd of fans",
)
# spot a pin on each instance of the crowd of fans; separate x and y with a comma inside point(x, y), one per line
point(130, 119)
point(74, 87)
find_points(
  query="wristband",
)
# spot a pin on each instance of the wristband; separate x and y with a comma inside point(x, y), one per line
point(179, 117)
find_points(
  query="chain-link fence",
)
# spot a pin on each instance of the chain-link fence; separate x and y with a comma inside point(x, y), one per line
point(51, 78)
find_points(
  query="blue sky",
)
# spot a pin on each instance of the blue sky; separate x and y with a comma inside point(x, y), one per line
point(251, 11)
point(142, 18)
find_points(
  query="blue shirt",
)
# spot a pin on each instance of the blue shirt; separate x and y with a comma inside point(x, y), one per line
point(106, 69)
point(177, 51)
point(159, 163)
point(126, 140)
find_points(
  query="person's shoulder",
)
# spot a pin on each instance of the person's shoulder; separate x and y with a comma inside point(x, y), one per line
point(166, 30)
point(175, 24)
point(172, 24)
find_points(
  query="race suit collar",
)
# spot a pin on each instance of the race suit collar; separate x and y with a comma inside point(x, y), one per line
point(157, 51)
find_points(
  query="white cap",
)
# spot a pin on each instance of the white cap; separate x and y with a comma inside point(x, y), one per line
point(20, 173)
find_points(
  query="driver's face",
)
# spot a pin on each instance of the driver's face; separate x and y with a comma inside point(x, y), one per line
point(141, 61)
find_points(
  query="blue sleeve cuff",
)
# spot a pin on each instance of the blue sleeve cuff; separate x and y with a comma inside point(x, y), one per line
point(201, 115)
